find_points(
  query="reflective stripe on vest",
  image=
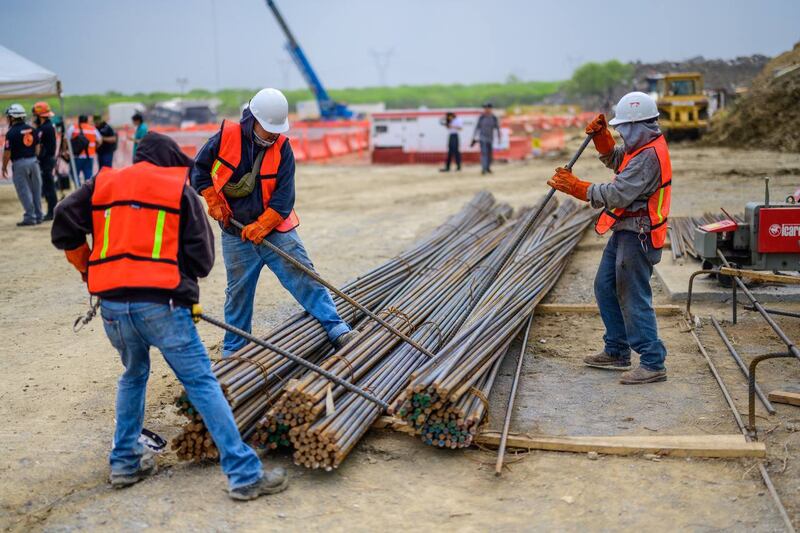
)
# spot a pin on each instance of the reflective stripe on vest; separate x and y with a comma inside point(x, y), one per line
point(658, 203)
point(136, 223)
point(88, 131)
point(229, 158)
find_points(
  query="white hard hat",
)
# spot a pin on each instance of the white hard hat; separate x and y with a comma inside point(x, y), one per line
point(634, 107)
point(271, 110)
point(16, 111)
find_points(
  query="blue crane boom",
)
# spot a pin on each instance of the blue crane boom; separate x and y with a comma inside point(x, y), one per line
point(328, 108)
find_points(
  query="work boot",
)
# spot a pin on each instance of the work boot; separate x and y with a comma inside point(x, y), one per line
point(147, 468)
point(344, 338)
point(606, 362)
point(641, 375)
point(273, 482)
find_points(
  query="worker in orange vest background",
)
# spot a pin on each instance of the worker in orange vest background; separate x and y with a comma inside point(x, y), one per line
point(635, 207)
point(150, 242)
point(246, 172)
point(84, 139)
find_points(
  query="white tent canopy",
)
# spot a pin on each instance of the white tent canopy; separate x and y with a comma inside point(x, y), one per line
point(22, 77)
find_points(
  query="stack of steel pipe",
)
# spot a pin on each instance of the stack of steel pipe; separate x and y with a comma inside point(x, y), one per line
point(446, 399)
point(681, 232)
point(363, 361)
point(254, 376)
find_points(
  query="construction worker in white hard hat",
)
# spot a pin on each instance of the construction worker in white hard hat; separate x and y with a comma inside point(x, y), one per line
point(21, 149)
point(635, 206)
point(246, 172)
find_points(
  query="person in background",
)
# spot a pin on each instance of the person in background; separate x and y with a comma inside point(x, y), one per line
point(21, 149)
point(105, 152)
point(46, 136)
point(453, 125)
point(84, 139)
point(140, 132)
point(485, 133)
point(146, 300)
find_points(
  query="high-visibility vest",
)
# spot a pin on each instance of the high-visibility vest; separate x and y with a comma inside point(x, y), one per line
point(136, 220)
point(88, 131)
point(657, 204)
point(229, 158)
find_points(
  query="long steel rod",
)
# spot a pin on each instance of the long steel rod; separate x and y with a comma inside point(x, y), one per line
point(760, 308)
point(501, 450)
point(726, 341)
point(299, 360)
point(739, 422)
point(313, 275)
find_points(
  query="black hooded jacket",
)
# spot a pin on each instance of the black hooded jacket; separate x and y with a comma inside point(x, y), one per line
point(73, 221)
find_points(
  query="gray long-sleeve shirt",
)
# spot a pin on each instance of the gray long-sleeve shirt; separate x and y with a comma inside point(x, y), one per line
point(485, 128)
point(637, 182)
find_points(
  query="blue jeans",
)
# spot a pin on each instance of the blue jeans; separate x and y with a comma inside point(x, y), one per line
point(486, 156)
point(132, 328)
point(85, 166)
point(243, 263)
point(105, 160)
point(623, 293)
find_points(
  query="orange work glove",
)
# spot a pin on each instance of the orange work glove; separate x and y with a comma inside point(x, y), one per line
point(79, 258)
point(603, 140)
point(259, 229)
point(565, 181)
point(217, 208)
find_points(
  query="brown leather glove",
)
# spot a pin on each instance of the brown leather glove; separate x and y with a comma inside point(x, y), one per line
point(565, 181)
point(217, 208)
point(259, 229)
point(79, 258)
point(602, 139)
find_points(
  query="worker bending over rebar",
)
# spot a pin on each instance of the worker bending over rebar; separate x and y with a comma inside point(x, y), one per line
point(150, 243)
point(635, 207)
point(246, 173)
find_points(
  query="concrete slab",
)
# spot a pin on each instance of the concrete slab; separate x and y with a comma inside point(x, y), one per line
point(674, 276)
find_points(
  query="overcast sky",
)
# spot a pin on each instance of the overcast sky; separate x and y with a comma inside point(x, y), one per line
point(146, 45)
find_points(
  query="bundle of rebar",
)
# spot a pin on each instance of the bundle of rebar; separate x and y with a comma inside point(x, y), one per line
point(370, 360)
point(682, 229)
point(254, 377)
point(447, 398)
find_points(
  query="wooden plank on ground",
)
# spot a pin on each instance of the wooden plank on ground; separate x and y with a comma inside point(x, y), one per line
point(787, 397)
point(390, 422)
point(720, 446)
point(549, 309)
point(760, 276)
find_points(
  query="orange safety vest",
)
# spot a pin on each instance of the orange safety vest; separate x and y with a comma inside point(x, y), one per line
point(88, 131)
point(136, 219)
point(658, 203)
point(229, 158)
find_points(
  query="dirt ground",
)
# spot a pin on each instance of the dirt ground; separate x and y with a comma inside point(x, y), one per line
point(57, 388)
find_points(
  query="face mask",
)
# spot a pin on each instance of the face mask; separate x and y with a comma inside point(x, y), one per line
point(624, 129)
point(263, 143)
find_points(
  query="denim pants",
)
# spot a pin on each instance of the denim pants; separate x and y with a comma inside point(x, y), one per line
point(132, 328)
point(453, 152)
point(105, 160)
point(486, 155)
point(85, 166)
point(28, 184)
point(243, 263)
point(625, 298)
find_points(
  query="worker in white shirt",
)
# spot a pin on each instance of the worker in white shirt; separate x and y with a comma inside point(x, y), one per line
point(453, 125)
point(84, 140)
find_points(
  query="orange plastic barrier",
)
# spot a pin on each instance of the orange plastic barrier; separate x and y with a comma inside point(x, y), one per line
point(189, 149)
point(317, 149)
point(336, 144)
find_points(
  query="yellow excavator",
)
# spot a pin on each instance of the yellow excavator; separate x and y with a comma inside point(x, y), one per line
point(682, 106)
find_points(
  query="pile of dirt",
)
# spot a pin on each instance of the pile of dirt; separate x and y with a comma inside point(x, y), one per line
point(768, 115)
point(718, 74)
